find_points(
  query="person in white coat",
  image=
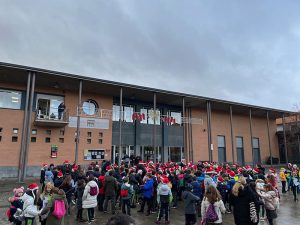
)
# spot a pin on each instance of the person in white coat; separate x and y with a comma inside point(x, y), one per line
point(212, 196)
point(30, 198)
point(89, 198)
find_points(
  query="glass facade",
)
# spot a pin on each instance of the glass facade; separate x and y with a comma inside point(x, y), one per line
point(10, 99)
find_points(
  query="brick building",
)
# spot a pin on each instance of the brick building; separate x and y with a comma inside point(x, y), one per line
point(155, 124)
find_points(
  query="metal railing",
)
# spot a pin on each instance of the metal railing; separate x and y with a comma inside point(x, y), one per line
point(52, 114)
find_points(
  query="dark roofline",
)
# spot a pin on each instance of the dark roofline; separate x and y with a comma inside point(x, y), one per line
point(80, 77)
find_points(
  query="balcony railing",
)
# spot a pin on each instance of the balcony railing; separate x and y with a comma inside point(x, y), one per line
point(51, 118)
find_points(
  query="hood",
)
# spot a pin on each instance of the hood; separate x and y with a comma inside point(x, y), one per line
point(164, 187)
point(101, 178)
point(60, 196)
point(92, 183)
point(185, 194)
point(48, 173)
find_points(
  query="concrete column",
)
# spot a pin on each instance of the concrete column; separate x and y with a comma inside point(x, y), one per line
point(78, 122)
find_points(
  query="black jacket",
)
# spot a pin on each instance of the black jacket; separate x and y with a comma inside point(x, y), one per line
point(241, 210)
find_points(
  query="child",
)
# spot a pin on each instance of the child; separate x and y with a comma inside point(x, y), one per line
point(79, 193)
point(190, 201)
point(269, 195)
point(43, 201)
point(283, 179)
point(164, 194)
point(16, 203)
point(126, 194)
point(260, 186)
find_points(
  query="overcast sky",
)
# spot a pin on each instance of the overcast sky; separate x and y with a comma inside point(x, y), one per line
point(244, 51)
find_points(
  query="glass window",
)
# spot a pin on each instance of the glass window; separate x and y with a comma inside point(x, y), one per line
point(177, 117)
point(10, 99)
point(62, 132)
point(116, 113)
point(221, 141)
point(1, 129)
point(151, 114)
point(48, 132)
point(128, 111)
point(146, 115)
point(47, 106)
point(100, 141)
point(33, 139)
point(47, 140)
point(61, 140)
point(89, 141)
point(255, 142)
point(89, 134)
point(100, 134)
point(0, 138)
point(34, 131)
point(14, 139)
point(15, 130)
point(90, 107)
point(239, 142)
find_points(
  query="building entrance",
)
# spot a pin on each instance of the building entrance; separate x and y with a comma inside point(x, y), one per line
point(147, 153)
point(126, 150)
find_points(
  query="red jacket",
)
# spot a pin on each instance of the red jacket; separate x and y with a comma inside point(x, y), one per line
point(101, 184)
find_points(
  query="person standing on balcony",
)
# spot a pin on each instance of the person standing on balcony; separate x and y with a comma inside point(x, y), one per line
point(61, 110)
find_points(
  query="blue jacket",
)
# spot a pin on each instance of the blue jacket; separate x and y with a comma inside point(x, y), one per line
point(197, 188)
point(148, 189)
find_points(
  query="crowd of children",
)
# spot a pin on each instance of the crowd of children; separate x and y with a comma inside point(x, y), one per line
point(207, 189)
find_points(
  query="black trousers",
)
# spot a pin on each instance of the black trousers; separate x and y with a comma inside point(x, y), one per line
point(91, 214)
point(79, 213)
point(126, 206)
point(190, 219)
point(294, 189)
point(283, 184)
point(149, 204)
point(100, 200)
point(164, 209)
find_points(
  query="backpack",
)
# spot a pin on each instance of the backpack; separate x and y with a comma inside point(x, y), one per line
point(59, 209)
point(181, 183)
point(211, 214)
point(124, 193)
point(93, 191)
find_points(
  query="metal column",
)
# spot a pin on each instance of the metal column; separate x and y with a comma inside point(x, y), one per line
point(251, 134)
point(191, 135)
point(78, 122)
point(120, 126)
point(154, 128)
point(270, 149)
point(231, 133)
point(208, 109)
point(28, 128)
point(284, 137)
point(25, 120)
point(184, 131)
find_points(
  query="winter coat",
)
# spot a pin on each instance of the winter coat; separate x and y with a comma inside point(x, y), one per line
point(52, 220)
point(29, 209)
point(164, 193)
point(58, 182)
point(79, 193)
point(148, 189)
point(101, 184)
point(219, 208)
point(89, 201)
point(241, 204)
point(49, 176)
point(130, 191)
point(190, 201)
point(110, 186)
point(269, 199)
point(196, 188)
point(209, 181)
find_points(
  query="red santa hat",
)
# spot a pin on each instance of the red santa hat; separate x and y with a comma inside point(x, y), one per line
point(210, 170)
point(272, 170)
point(60, 174)
point(255, 170)
point(220, 179)
point(247, 168)
point(33, 186)
point(66, 161)
point(165, 180)
point(232, 174)
point(45, 165)
point(108, 168)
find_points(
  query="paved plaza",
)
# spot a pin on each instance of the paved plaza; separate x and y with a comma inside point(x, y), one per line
point(289, 212)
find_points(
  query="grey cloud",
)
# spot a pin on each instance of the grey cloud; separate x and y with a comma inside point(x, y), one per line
point(234, 50)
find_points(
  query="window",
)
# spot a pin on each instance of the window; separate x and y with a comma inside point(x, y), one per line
point(10, 99)
point(47, 139)
point(89, 141)
point(100, 141)
point(177, 117)
point(240, 150)
point(47, 106)
point(33, 139)
point(150, 114)
point(15, 130)
point(61, 132)
point(90, 107)
point(14, 139)
point(89, 134)
point(0, 138)
point(127, 113)
point(34, 131)
point(221, 149)
point(256, 150)
point(100, 134)
point(116, 113)
point(1, 129)
point(48, 132)
point(61, 140)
